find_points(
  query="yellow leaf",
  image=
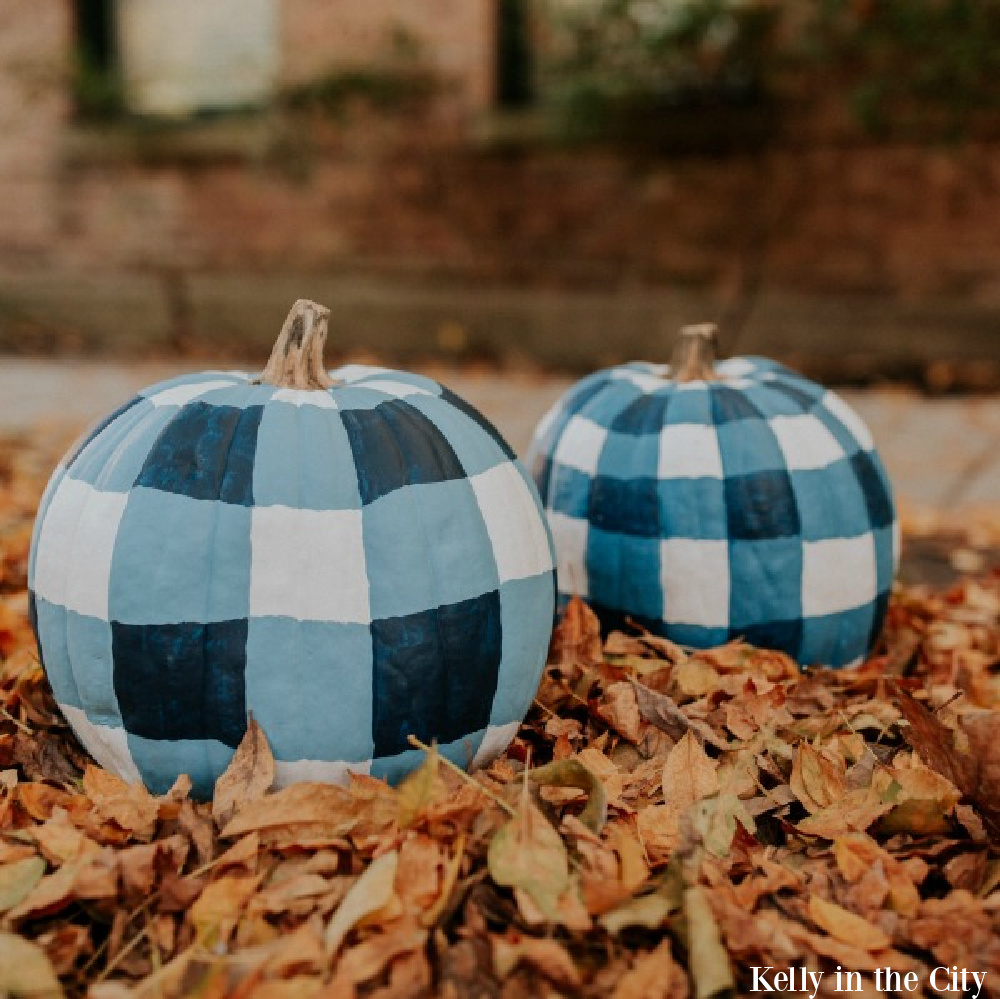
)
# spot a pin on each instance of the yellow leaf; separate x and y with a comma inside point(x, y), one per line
point(418, 789)
point(708, 959)
point(845, 926)
point(527, 853)
point(25, 969)
point(372, 892)
point(17, 881)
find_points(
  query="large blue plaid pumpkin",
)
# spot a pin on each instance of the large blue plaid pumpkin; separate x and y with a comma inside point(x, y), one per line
point(750, 505)
point(353, 566)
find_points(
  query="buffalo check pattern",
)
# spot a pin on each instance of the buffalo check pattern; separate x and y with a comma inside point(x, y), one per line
point(754, 505)
point(353, 566)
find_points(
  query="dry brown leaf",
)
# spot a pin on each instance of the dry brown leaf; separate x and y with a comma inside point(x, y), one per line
point(215, 914)
point(373, 892)
point(689, 774)
point(130, 806)
point(655, 975)
point(549, 957)
point(846, 926)
point(248, 777)
point(25, 970)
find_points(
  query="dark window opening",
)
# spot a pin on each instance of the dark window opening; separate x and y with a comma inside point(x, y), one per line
point(515, 83)
point(97, 90)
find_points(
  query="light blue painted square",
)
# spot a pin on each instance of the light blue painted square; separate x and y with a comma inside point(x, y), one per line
point(180, 559)
point(602, 407)
point(112, 461)
point(767, 581)
point(402, 378)
point(693, 404)
point(304, 460)
point(309, 685)
point(526, 610)
point(357, 397)
point(836, 638)
point(393, 769)
point(475, 449)
point(697, 636)
point(748, 446)
point(426, 546)
point(625, 570)
point(55, 652)
point(771, 402)
point(628, 456)
point(884, 565)
point(201, 759)
point(693, 508)
point(830, 501)
point(89, 641)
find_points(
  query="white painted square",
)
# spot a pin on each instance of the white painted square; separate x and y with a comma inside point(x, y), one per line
point(291, 772)
point(805, 442)
point(179, 395)
point(838, 575)
point(580, 445)
point(859, 431)
point(399, 390)
point(351, 373)
point(109, 746)
point(75, 545)
point(735, 367)
point(513, 522)
point(647, 381)
point(695, 579)
point(496, 740)
point(570, 537)
point(309, 565)
point(689, 451)
point(320, 398)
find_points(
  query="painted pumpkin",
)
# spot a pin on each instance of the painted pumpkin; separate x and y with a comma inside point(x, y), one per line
point(711, 501)
point(354, 557)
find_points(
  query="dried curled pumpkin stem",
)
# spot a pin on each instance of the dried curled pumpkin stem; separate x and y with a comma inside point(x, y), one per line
point(297, 359)
point(694, 355)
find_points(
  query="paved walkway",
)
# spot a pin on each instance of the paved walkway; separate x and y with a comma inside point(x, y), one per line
point(942, 454)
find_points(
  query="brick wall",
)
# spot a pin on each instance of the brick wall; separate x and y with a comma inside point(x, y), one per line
point(409, 196)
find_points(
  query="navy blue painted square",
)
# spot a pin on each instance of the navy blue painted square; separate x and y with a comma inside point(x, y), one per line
point(625, 506)
point(879, 612)
point(568, 491)
point(182, 681)
point(873, 487)
point(435, 673)
point(643, 417)
point(761, 505)
point(730, 405)
point(794, 392)
point(766, 580)
point(785, 635)
point(395, 445)
point(473, 414)
point(206, 452)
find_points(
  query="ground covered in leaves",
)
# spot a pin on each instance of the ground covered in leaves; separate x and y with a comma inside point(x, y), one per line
point(664, 823)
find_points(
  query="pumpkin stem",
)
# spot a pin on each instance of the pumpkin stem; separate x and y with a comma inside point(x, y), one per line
point(694, 355)
point(297, 359)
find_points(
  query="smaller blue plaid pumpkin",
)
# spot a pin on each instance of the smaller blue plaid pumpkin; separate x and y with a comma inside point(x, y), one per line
point(354, 560)
point(707, 502)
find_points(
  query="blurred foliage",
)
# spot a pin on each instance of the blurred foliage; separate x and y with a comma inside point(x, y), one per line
point(919, 65)
point(396, 78)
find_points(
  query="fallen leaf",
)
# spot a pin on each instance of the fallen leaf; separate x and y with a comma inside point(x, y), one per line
point(846, 926)
point(549, 957)
point(248, 777)
point(708, 960)
point(529, 854)
point(372, 892)
point(653, 976)
point(18, 880)
point(130, 806)
point(689, 774)
point(572, 773)
point(25, 970)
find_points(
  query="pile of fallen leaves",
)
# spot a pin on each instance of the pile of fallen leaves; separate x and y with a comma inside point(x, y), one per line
point(664, 822)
